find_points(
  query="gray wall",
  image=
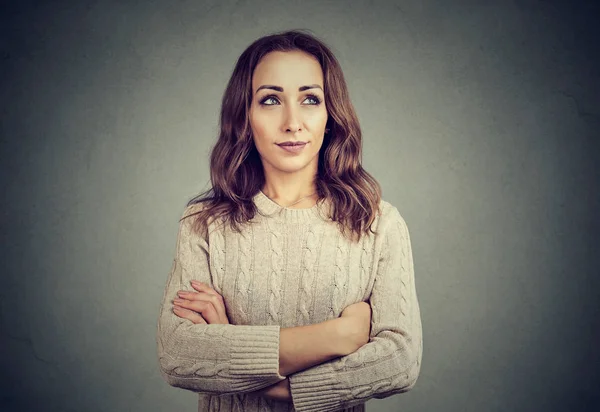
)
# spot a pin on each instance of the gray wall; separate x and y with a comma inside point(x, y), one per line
point(480, 121)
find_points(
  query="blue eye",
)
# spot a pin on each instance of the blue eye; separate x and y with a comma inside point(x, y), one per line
point(267, 99)
point(316, 100)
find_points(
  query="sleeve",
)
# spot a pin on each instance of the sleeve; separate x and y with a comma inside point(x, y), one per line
point(390, 362)
point(215, 359)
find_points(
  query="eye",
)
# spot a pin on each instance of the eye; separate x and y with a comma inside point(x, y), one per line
point(314, 98)
point(267, 98)
point(272, 100)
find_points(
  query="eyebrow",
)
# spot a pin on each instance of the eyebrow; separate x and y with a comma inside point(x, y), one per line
point(280, 89)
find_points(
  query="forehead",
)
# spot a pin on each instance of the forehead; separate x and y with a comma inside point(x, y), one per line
point(291, 69)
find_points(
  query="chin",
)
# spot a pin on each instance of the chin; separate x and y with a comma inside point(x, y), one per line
point(291, 168)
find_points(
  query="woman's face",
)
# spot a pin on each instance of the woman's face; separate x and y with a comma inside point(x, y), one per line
point(288, 104)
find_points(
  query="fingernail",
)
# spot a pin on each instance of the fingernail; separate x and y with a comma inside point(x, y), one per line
point(178, 301)
point(182, 293)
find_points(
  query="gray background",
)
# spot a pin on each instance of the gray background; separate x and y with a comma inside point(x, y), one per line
point(480, 122)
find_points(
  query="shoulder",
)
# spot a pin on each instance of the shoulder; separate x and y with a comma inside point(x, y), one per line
point(192, 210)
point(189, 222)
point(190, 213)
point(390, 218)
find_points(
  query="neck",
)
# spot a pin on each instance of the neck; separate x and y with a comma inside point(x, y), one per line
point(296, 214)
point(288, 192)
point(285, 188)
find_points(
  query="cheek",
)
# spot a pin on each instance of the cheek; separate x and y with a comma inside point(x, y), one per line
point(318, 119)
point(261, 126)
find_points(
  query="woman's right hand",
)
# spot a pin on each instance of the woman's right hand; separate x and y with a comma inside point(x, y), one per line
point(356, 324)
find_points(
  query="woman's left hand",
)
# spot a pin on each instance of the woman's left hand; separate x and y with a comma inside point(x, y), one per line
point(204, 306)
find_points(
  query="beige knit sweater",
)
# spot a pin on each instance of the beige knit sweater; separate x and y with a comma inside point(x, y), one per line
point(292, 267)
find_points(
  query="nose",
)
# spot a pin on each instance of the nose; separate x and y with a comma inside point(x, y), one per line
point(292, 122)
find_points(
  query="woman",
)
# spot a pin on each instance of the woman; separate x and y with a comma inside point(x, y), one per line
point(292, 286)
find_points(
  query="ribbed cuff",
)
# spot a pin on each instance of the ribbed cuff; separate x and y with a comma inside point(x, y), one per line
point(254, 351)
point(317, 391)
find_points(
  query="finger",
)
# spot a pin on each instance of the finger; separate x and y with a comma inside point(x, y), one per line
point(203, 307)
point(188, 314)
point(215, 298)
point(203, 287)
point(184, 294)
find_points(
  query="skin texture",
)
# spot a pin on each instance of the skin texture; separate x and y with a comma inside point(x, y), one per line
point(288, 115)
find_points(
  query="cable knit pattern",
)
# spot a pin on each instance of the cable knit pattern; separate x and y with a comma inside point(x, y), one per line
point(291, 267)
point(242, 280)
point(307, 277)
point(341, 277)
point(364, 267)
point(276, 274)
point(217, 255)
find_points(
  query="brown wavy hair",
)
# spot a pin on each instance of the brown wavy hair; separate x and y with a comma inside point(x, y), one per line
point(236, 171)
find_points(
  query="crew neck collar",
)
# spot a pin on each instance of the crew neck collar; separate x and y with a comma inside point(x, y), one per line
point(271, 209)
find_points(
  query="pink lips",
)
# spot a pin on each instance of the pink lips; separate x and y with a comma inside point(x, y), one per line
point(293, 149)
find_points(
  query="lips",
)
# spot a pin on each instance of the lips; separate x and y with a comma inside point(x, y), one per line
point(292, 147)
point(292, 144)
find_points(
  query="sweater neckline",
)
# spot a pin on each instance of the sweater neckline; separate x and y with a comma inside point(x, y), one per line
point(272, 209)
